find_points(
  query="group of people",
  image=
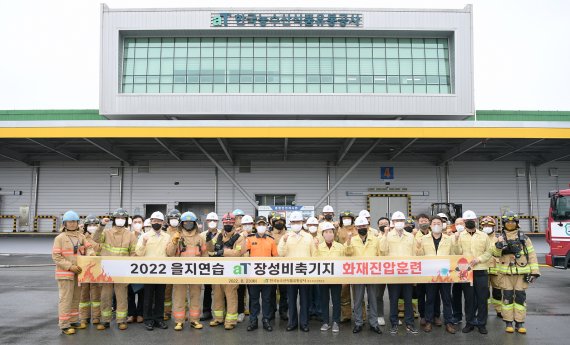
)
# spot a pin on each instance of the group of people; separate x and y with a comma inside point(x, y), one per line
point(503, 258)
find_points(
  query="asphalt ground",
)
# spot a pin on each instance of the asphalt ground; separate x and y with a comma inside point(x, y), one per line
point(28, 300)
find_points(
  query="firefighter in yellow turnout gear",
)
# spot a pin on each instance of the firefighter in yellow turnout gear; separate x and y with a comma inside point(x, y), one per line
point(227, 244)
point(117, 241)
point(90, 301)
point(518, 266)
point(496, 296)
point(172, 227)
point(187, 243)
point(66, 247)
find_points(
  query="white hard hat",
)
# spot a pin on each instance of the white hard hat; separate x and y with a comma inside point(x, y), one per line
point(328, 208)
point(212, 216)
point(295, 216)
point(247, 219)
point(364, 214)
point(469, 215)
point(312, 221)
point(442, 215)
point(361, 221)
point(398, 216)
point(157, 215)
point(146, 222)
point(327, 226)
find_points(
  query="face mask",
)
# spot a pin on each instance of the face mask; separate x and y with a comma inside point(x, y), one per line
point(174, 222)
point(409, 228)
point(399, 225)
point(120, 222)
point(459, 228)
point(436, 229)
point(188, 225)
point(510, 226)
point(328, 237)
point(296, 227)
point(487, 229)
point(137, 227)
point(362, 231)
point(346, 221)
point(424, 226)
point(470, 224)
point(382, 228)
point(261, 229)
point(313, 229)
point(247, 227)
point(228, 228)
point(156, 226)
point(328, 217)
point(92, 228)
point(212, 225)
point(279, 226)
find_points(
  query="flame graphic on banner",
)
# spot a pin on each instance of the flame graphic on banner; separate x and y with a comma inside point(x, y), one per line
point(89, 277)
point(441, 279)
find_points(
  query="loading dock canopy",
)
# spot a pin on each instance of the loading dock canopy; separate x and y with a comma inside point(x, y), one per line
point(286, 140)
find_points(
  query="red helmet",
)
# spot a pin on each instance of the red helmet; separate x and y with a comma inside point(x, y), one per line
point(229, 218)
point(462, 261)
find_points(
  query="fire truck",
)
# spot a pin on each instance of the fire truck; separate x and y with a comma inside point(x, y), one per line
point(558, 229)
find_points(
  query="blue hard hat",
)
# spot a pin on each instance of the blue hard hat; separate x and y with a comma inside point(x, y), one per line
point(70, 216)
point(238, 212)
point(188, 217)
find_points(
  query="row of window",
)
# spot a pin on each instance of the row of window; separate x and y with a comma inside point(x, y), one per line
point(285, 66)
point(285, 88)
point(342, 52)
point(296, 79)
point(196, 42)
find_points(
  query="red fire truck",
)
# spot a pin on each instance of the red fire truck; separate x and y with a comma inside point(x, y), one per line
point(558, 229)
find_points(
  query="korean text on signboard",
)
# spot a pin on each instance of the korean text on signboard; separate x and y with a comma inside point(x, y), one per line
point(228, 19)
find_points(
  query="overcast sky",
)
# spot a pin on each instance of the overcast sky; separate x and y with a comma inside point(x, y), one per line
point(50, 49)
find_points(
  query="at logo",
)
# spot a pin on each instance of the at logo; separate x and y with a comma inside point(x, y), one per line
point(567, 229)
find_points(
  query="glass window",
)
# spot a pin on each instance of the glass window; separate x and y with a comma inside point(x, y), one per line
point(285, 65)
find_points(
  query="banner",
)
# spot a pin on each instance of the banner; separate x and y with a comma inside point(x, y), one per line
point(275, 270)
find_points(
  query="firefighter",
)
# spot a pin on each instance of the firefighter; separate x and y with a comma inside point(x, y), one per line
point(346, 229)
point(240, 216)
point(260, 244)
point(277, 224)
point(117, 241)
point(90, 302)
point(187, 243)
point(211, 227)
point(172, 226)
point(496, 296)
point(67, 246)
point(518, 266)
point(227, 244)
